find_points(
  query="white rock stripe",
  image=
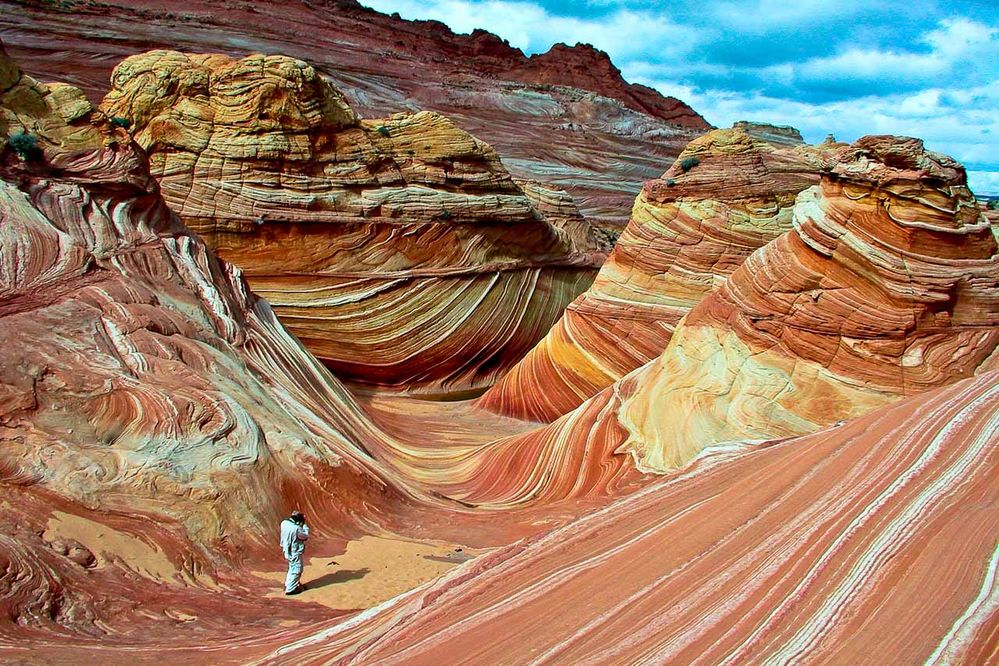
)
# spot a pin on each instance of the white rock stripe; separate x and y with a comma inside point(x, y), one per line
point(975, 615)
point(895, 535)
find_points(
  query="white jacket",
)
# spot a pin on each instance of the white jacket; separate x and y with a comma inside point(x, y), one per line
point(293, 538)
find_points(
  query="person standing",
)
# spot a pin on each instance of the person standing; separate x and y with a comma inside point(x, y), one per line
point(294, 534)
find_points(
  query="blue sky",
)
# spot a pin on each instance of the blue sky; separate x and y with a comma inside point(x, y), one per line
point(847, 67)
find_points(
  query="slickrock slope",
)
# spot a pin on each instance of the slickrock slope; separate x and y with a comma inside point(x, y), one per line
point(729, 193)
point(887, 286)
point(150, 405)
point(874, 542)
point(598, 140)
point(398, 250)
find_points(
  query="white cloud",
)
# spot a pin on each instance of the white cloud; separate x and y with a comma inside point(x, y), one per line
point(940, 84)
point(984, 182)
point(871, 64)
point(760, 16)
point(959, 37)
point(959, 49)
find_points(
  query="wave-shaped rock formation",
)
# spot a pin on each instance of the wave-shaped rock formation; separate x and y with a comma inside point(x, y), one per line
point(565, 116)
point(873, 542)
point(150, 405)
point(398, 250)
point(156, 419)
point(729, 193)
point(887, 286)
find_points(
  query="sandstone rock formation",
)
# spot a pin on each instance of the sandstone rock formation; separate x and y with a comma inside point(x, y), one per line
point(778, 135)
point(398, 250)
point(599, 140)
point(156, 419)
point(558, 208)
point(729, 193)
point(887, 286)
point(146, 396)
point(874, 542)
point(992, 216)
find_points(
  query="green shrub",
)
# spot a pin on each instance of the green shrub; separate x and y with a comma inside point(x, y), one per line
point(670, 182)
point(123, 123)
point(26, 146)
point(446, 214)
point(688, 163)
point(384, 131)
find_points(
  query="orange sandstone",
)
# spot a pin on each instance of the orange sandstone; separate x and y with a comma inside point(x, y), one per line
point(729, 193)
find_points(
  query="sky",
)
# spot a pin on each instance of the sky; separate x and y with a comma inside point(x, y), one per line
point(923, 68)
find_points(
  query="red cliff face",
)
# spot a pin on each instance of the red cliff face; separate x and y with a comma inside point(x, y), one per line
point(583, 66)
point(565, 116)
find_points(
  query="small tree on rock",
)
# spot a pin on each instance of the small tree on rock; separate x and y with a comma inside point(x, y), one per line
point(25, 146)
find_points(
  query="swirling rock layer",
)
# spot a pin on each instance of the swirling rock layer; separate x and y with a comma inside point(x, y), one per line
point(871, 542)
point(152, 410)
point(599, 140)
point(887, 286)
point(398, 250)
point(156, 419)
point(688, 231)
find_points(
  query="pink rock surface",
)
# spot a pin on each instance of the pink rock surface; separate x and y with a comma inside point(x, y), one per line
point(874, 541)
point(147, 398)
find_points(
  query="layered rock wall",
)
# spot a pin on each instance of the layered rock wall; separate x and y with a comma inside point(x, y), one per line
point(398, 250)
point(599, 141)
point(144, 379)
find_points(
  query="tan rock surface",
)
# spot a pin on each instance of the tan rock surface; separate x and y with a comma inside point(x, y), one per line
point(398, 250)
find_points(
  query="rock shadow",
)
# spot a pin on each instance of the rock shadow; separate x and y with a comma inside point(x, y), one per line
point(455, 558)
point(335, 577)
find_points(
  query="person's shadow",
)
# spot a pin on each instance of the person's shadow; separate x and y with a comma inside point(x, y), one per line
point(335, 577)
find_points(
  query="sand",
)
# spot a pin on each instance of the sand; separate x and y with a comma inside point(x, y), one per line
point(109, 545)
point(372, 570)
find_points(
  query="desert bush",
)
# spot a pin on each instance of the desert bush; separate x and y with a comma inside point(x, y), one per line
point(26, 146)
point(688, 163)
